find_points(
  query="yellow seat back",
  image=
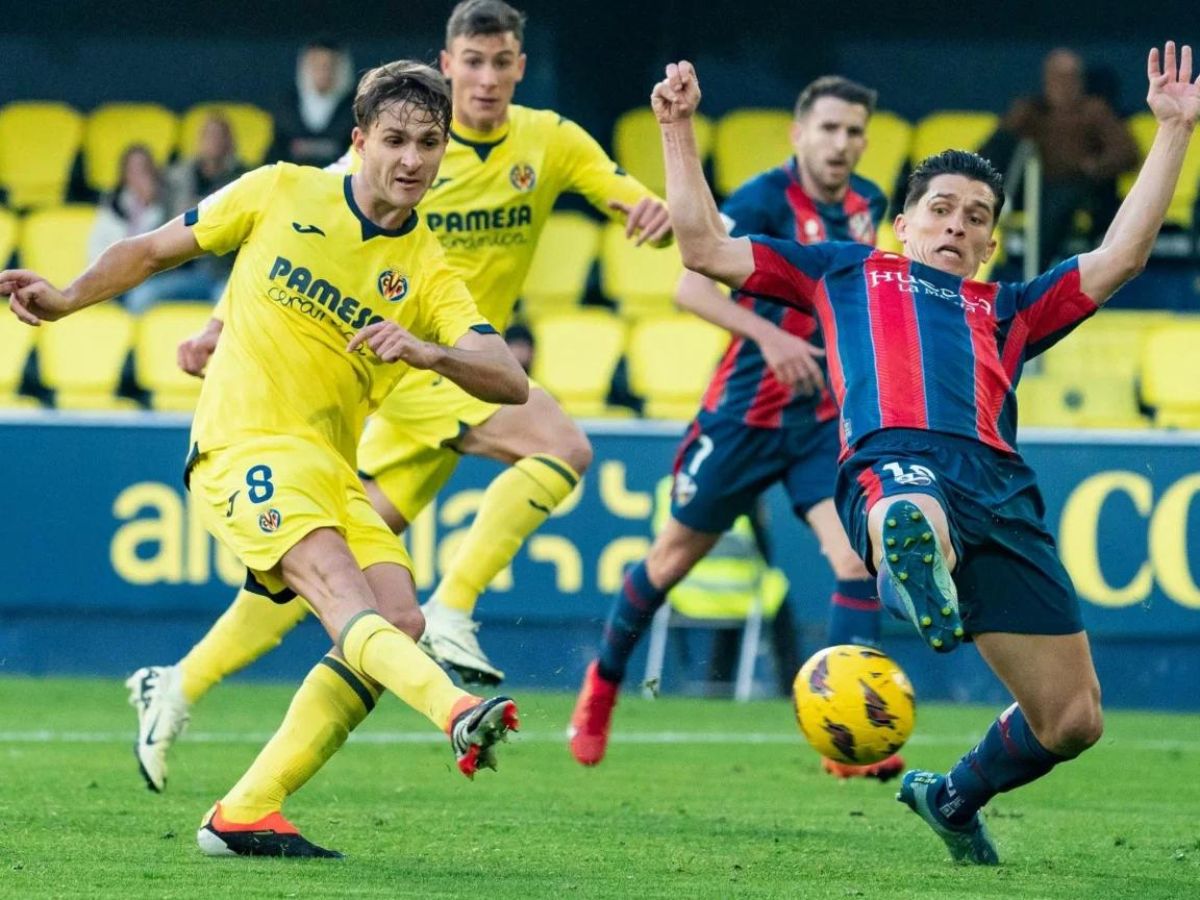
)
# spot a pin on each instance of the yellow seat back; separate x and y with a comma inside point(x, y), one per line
point(888, 141)
point(1171, 367)
point(38, 145)
point(253, 129)
point(16, 340)
point(1143, 127)
point(642, 280)
point(559, 270)
point(749, 141)
point(114, 127)
point(637, 145)
point(1108, 345)
point(951, 131)
point(671, 360)
point(1056, 402)
point(575, 356)
point(83, 354)
point(54, 242)
point(160, 330)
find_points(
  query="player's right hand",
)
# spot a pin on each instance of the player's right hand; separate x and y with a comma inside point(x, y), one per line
point(794, 361)
point(32, 298)
point(192, 354)
point(676, 97)
point(392, 343)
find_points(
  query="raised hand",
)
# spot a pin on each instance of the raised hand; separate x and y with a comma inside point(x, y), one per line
point(649, 220)
point(1173, 96)
point(32, 298)
point(676, 97)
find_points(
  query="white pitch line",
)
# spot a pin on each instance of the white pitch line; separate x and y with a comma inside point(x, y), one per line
point(735, 738)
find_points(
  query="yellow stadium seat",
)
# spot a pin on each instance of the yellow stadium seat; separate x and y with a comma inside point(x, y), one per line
point(38, 145)
point(951, 131)
point(1171, 372)
point(8, 236)
point(114, 127)
point(16, 340)
point(1052, 402)
point(888, 139)
point(253, 129)
point(671, 360)
point(575, 358)
point(53, 242)
point(749, 141)
point(637, 144)
point(1143, 127)
point(1110, 344)
point(559, 271)
point(159, 332)
point(81, 357)
point(642, 280)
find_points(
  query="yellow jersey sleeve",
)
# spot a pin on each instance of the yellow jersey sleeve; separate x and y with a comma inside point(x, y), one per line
point(589, 171)
point(224, 220)
point(448, 310)
point(221, 310)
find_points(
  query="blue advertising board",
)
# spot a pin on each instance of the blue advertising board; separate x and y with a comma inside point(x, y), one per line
point(98, 529)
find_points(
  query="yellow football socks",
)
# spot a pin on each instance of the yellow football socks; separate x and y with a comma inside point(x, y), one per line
point(514, 505)
point(251, 627)
point(331, 702)
point(378, 649)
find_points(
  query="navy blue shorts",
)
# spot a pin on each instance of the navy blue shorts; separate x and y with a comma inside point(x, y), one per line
point(1009, 576)
point(723, 466)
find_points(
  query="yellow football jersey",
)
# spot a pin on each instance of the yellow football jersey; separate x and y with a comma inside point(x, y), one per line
point(495, 191)
point(311, 271)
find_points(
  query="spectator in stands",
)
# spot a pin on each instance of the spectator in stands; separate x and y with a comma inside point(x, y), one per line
point(136, 205)
point(520, 342)
point(215, 164)
point(313, 124)
point(1083, 145)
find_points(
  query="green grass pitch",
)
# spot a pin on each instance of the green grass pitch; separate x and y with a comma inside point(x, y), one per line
point(696, 799)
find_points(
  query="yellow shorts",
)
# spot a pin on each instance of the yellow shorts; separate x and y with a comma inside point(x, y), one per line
point(260, 497)
point(408, 445)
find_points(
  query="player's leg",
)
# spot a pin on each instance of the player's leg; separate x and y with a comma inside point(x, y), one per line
point(676, 549)
point(162, 695)
point(547, 454)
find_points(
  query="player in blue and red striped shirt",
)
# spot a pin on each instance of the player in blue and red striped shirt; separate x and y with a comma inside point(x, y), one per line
point(766, 417)
point(924, 362)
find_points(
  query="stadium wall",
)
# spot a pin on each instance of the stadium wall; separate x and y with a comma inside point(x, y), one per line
point(106, 567)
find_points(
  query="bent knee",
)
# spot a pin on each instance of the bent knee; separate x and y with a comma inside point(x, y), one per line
point(1079, 728)
point(669, 562)
point(574, 448)
point(847, 566)
point(410, 621)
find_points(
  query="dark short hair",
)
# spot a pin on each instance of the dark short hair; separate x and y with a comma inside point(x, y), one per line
point(955, 162)
point(402, 81)
point(518, 332)
point(835, 86)
point(474, 17)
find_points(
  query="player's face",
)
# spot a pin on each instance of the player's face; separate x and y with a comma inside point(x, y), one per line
point(950, 228)
point(829, 140)
point(401, 152)
point(484, 71)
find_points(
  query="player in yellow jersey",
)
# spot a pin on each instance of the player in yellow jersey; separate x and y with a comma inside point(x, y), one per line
point(504, 168)
point(339, 289)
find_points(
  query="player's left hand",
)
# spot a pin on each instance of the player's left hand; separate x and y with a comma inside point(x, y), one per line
point(391, 343)
point(1173, 96)
point(647, 221)
point(32, 298)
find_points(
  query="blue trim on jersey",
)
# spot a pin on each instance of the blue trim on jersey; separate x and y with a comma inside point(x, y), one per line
point(481, 148)
point(485, 328)
point(369, 228)
point(254, 586)
point(191, 217)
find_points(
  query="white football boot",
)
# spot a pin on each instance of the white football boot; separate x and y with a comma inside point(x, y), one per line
point(449, 639)
point(156, 692)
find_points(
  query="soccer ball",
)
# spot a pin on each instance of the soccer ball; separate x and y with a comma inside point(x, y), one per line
point(854, 704)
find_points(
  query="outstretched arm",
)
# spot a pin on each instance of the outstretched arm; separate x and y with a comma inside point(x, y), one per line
point(124, 265)
point(703, 242)
point(1175, 101)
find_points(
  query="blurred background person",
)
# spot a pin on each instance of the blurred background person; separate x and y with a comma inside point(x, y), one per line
point(1083, 146)
point(520, 341)
point(313, 123)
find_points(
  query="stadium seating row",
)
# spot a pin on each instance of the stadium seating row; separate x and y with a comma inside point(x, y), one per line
point(1091, 380)
point(39, 142)
point(744, 142)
